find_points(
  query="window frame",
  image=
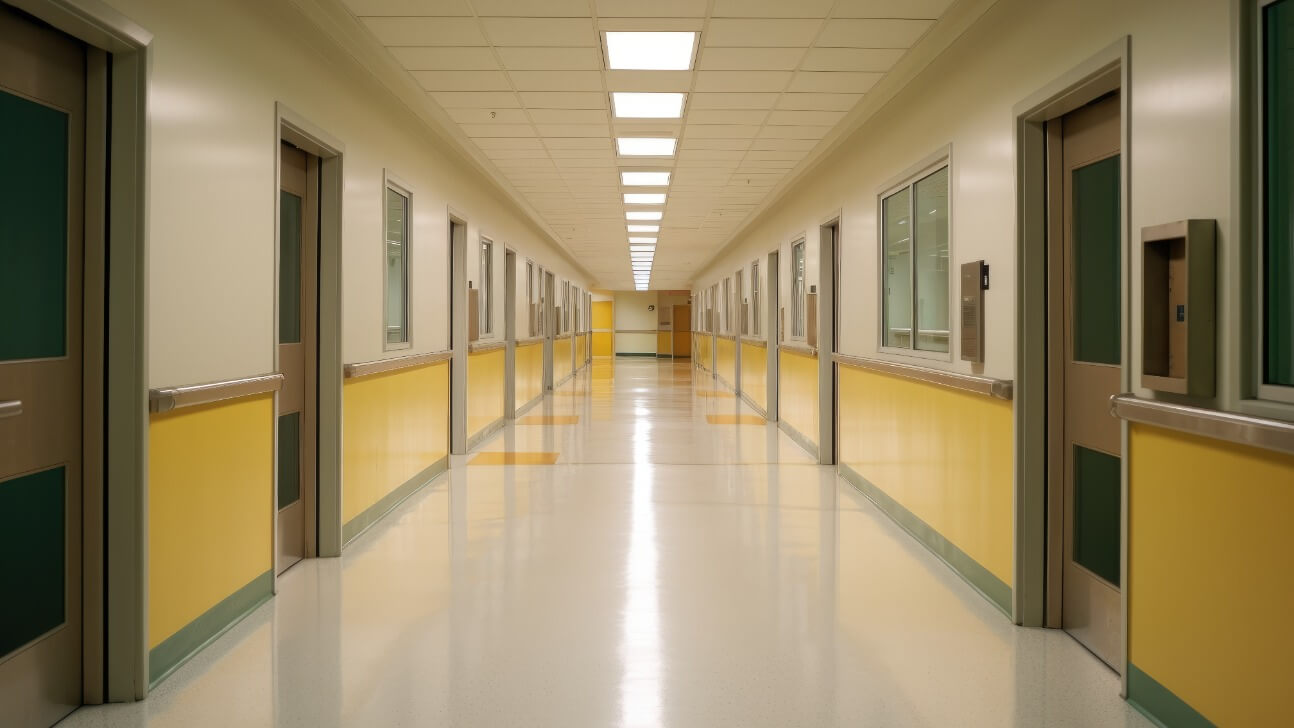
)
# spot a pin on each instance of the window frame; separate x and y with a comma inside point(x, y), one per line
point(738, 294)
point(391, 183)
point(485, 301)
point(908, 180)
point(754, 298)
point(799, 292)
point(1257, 329)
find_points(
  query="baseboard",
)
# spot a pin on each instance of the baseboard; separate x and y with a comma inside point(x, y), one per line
point(194, 637)
point(1159, 704)
point(374, 513)
point(762, 412)
point(981, 579)
point(488, 430)
point(528, 406)
point(800, 438)
point(651, 354)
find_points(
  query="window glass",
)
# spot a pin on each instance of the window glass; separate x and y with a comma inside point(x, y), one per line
point(397, 267)
point(739, 300)
point(931, 259)
point(897, 242)
point(797, 290)
point(1278, 195)
point(530, 298)
point(755, 309)
point(486, 303)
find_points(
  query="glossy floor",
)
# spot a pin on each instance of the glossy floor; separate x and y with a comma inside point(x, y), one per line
point(664, 572)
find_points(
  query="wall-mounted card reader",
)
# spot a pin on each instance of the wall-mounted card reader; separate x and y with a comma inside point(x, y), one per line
point(1177, 307)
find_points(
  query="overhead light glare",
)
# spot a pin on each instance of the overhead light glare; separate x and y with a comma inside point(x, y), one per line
point(650, 51)
point(632, 105)
point(646, 146)
point(644, 228)
point(644, 215)
point(633, 240)
point(642, 248)
point(644, 198)
point(644, 179)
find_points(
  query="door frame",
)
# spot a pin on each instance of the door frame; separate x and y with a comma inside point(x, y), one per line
point(456, 234)
point(509, 333)
point(115, 536)
point(296, 129)
point(828, 265)
point(1037, 555)
point(772, 332)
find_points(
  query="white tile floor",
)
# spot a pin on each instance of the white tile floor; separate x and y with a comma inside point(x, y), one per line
point(666, 572)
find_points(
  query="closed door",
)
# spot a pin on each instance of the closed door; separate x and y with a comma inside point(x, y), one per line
point(1091, 339)
point(682, 331)
point(298, 255)
point(42, 166)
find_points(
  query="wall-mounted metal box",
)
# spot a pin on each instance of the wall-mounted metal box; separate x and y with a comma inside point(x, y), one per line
point(811, 319)
point(971, 309)
point(1178, 313)
point(473, 313)
point(745, 318)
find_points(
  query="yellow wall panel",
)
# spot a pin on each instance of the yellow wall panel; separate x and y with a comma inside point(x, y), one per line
point(754, 374)
point(664, 343)
point(1210, 593)
point(529, 372)
point(210, 507)
point(725, 360)
point(603, 343)
point(581, 350)
point(394, 426)
point(797, 392)
point(485, 376)
point(561, 359)
point(942, 454)
point(603, 315)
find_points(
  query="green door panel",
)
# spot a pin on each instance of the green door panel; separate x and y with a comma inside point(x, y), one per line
point(33, 558)
point(1096, 266)
point(289, 268)
point(1097, 506)
point(1278, 194)
point(33, 229)
point(289, 458)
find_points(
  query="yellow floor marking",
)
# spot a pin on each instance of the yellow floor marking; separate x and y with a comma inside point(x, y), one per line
point(735, 419)
point(514, 458)
point(550, 420)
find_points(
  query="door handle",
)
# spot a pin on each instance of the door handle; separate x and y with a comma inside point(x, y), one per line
point(10, 408)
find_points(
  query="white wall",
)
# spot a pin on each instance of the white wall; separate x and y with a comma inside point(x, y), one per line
point(632, 312)
point(217, 71)
point(1179, 147)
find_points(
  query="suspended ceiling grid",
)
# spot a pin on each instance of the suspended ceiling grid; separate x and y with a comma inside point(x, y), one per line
point(526, 81)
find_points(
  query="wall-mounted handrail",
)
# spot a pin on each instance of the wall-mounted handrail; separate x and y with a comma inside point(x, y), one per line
point(988, 386)
point(1229, 426)
point(380, 366)
point(165, 399)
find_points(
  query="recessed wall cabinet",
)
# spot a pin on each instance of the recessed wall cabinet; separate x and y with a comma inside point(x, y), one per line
point(811, 318)
point(1178, 307)
point(473, 313)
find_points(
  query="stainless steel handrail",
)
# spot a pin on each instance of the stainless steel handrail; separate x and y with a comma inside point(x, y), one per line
point(1241, 429)
point(796, 348)
point(380, 366)
point(169, 398)
point(988, 386)
point(10, 408)
point(477, 347)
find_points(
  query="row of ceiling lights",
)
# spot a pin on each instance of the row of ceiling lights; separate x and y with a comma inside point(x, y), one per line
point(647, 51)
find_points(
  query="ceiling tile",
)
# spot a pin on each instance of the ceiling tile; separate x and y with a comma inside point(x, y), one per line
point(527, 32)
point(741, 80)
point(816, 118)
point(833, 82)
point(533, 8)
point(887, 33)
point(462, 80)
point(761, 32)
point(408, 8)
point(564, 100)
point(720, 131)
point(476, 99)
point(497, 130)
point(482, 116)
point(771, 8)
point(649, 81)
point(890, 8)
point(852, 59)
point(569, 116)
point(509, 143)
point(574, 130)
point(549, 59)
point(732, 100)
point(426, 31)
point(726, 116)
point(818, 102)
point(578, 143)
point(749, 59)
point(425, 58)
point(800, 145)
point(729, 144)
point(556, 80)
point(793, 132)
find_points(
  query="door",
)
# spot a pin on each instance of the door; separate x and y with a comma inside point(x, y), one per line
point(682, 332)
point(42, 167)
point(298, 256)
point(550, 327)
point(1090, 373)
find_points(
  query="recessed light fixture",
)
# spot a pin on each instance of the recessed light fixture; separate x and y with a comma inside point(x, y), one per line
point(642, 248)
point(645, 215)
point(646, 146)
point(650, 51)
point(644, 228)
point(644, 198)
point(635, 240)
point(633, 105)
point(644, 179)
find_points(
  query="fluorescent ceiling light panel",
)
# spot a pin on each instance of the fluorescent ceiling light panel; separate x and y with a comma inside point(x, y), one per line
point(650, 51)
point(646, 146)
point(645, 215)
point(644, 228)
point(644, 198)
point(629, 105)
point(642, 248)
point(634, 240)
point(644, 179)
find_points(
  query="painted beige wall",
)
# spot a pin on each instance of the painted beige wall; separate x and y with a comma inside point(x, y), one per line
point(217, 71)
point(1180, 147)
point(631, 313)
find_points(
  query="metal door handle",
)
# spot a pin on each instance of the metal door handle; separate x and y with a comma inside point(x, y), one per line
point(10, 408)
